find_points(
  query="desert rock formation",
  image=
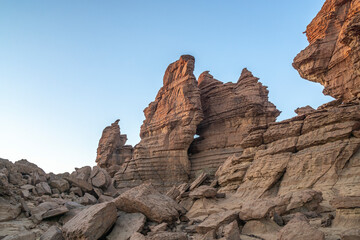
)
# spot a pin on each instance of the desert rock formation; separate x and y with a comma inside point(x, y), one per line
point(260, 179)
point(168, 130)
point(112, 151)
point(230, 111)
point(332, 58)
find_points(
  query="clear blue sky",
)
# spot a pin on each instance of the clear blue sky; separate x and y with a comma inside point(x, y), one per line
point(70, 68)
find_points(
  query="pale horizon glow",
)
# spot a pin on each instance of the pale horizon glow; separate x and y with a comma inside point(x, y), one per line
point(68, 69)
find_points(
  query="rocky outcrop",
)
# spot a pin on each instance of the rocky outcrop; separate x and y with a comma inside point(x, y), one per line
point(332, 58)
point(319, 151)
point(167, 131)
point(112, 151)
point(230, 111)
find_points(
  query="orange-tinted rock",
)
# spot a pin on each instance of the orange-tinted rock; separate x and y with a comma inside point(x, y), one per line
point(167, 131)
point(320, 151)
point(112, 151)
point(332, 58)
point(230, 111)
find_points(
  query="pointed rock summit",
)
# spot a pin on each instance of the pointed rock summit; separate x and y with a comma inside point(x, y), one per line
point(167, 131)
point(112, 151)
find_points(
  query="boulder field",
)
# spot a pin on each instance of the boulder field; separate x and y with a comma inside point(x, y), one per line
point(213, 162)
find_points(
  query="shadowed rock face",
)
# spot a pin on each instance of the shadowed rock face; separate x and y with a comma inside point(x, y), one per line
point(112, 151)
point(230, 110)
point(167, 131)
point(332, 58)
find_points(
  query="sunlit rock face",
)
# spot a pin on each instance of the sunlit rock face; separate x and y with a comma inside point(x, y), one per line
point(167, 131)
point(332, 58)
point(112, 151)
point(230, 110)
point(319, 150)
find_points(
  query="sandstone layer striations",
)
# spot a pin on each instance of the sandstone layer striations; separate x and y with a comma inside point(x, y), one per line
point(332, 58)
point(230, 111)
point(319, 151)
point(167, 131)
point(112, 151)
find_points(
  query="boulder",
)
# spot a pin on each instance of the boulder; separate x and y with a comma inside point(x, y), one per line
point(48, 210)
point(87, 199)
point(304, 110)
point(298, 229)
point(214, 221)
point(148, 201)
point(53, 233)
point(126, 225)
point(82, 173)
point(77, 191)
point(264, 228)
point(91, 223)
point(61, 184)
point(43, 188)
point(203, 191)
point(230, 231)
point(198, 181)
point(159, 227)
point(8, 211)
point(100, 178)
point(84, 185)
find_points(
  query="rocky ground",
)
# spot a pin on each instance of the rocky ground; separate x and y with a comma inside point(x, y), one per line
point(245, 176)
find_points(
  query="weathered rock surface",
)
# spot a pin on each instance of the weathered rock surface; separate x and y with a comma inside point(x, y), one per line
point(298, 229)
point(148, 201)
point(61, 184)
point(126, 225)
point(319, 151)
point(48, 210)
point(112, 151)
point(167, 236)
point(91, 223)
point(53, 233)
point(332, 58)
point(203, 191)
point(230, 111)
point(8, 211)
point(214, 221)
point(264, 228)
point(168, 130)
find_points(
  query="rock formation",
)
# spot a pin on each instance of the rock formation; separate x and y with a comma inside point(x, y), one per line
point(332, 58)
point(230, 111)
point(168, 130)
point(294, 179)
point(112, 151)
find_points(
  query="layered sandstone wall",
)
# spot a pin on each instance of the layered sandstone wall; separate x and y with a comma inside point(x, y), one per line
point(332, 58)
point(168, 130)
point(230, 111)
point(318, 150)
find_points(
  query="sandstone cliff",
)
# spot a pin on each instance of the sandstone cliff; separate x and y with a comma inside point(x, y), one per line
point(332, 58)
point(230, 110)
point(168, 130)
